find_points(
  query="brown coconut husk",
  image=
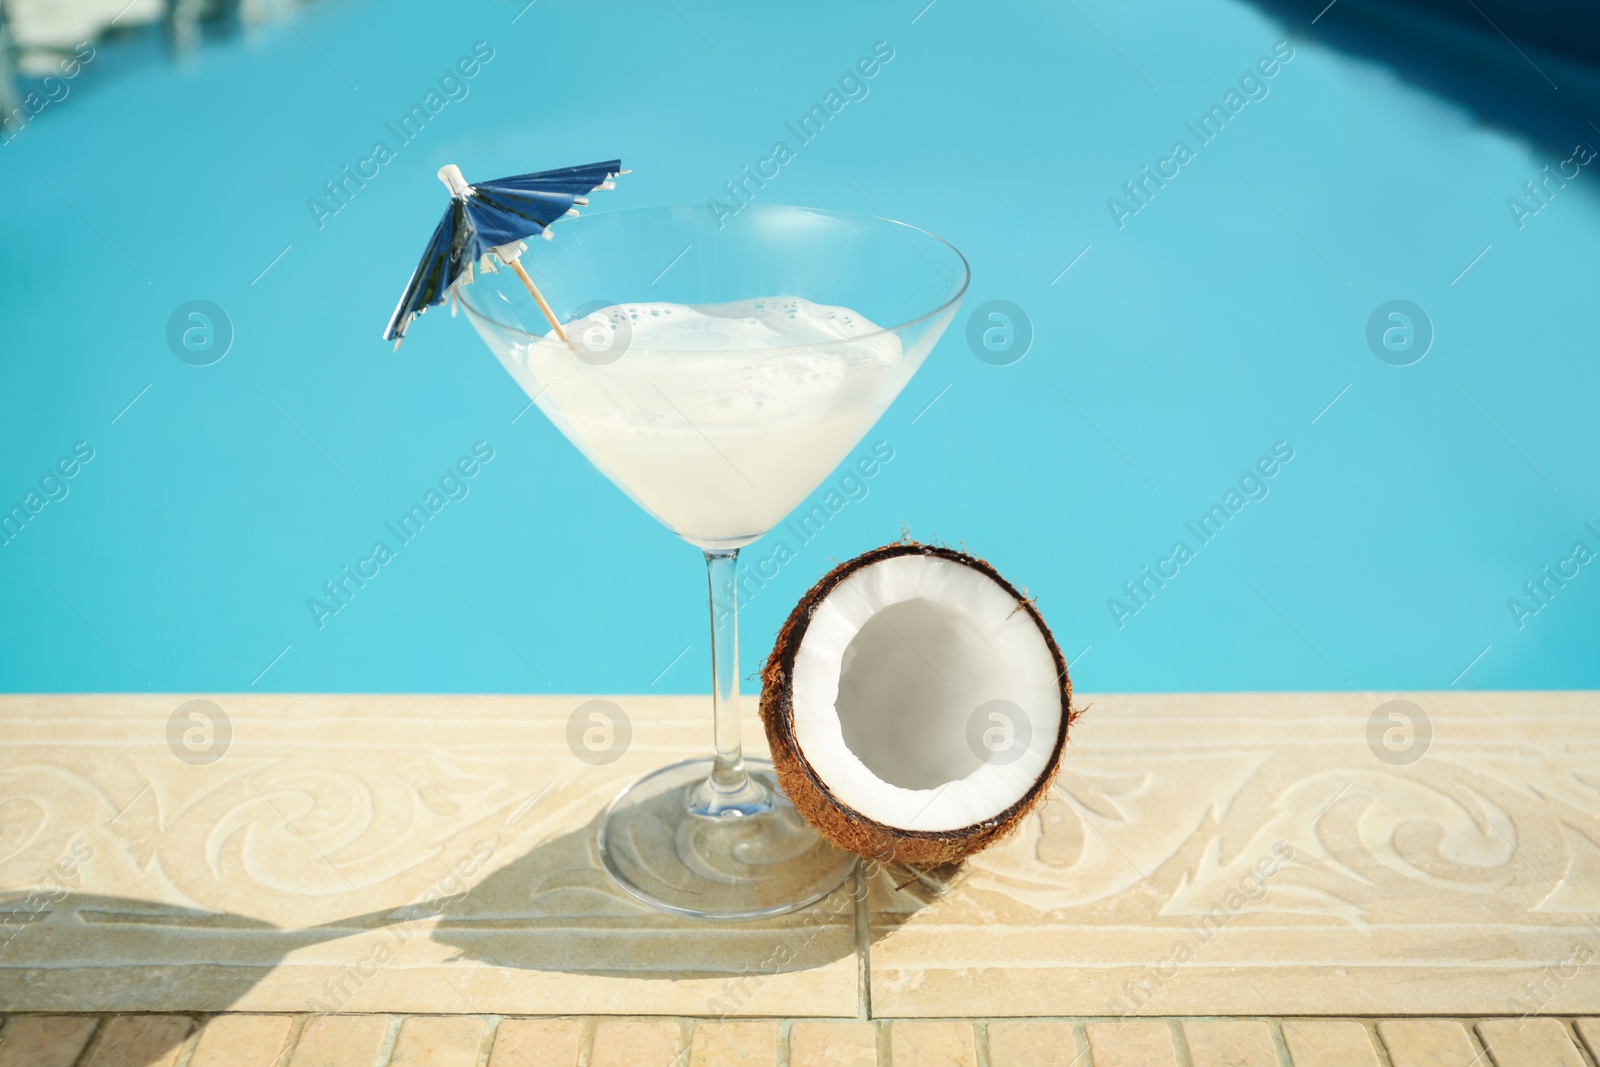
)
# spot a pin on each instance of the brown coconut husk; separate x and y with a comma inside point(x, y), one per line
point(842, 825)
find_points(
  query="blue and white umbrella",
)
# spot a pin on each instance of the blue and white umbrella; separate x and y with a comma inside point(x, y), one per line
point(489, 221)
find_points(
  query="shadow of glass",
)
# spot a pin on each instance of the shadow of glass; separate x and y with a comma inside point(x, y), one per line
point(552, 909)
point(556, 909)
point(78, 952)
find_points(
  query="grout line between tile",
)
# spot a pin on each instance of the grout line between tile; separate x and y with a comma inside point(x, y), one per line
point(863, 944)
point(491, 1027)
point(981, 1042)
point(95, 1036)
point(297, 1027)
point(586, 1041)
point(881, 1038)
point(1275, 1028)
point(386, 1050)
point(1382, 1050)
point(1382, 1046)
point(784, 1026)
point(1585, 1053)
point(192, 1041)
point(1080, 1034)
point(1180, 1043)
point(1485, 1057)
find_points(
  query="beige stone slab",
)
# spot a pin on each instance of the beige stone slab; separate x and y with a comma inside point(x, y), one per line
point(44, 1040)
point(412, 854)
point(242, 1041)
point(637, 1043)
point(1531, 1042)
point(341, 1041)
point(1328, 1043)
point(537, 1043)
point(1252, 855)
point(439, 1041)
point(932, 1044)
point(1035, 1043)
point(1427, 1043)
point(1229, 1043)
point(734, 1044)
point(1132, 1043)
point(146, 1040)
point(818, 1044)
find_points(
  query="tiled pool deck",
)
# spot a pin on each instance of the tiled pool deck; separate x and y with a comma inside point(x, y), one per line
point(1219, 879)
point(491, 1041)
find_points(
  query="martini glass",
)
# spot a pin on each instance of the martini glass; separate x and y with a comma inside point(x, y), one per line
point(719, 432)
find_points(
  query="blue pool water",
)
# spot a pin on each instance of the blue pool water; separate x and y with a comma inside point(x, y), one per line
point(1221, 325)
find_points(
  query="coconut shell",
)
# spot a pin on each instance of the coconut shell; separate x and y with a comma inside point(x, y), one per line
point(840, 824)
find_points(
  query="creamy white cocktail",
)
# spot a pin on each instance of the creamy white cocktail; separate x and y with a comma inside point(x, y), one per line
point(717, 419)
point(719, 410)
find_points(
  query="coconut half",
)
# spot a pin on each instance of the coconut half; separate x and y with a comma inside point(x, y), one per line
point(916, 705)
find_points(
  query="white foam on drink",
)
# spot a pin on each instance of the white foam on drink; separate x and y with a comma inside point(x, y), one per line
point(770, 358)
point(769, 322)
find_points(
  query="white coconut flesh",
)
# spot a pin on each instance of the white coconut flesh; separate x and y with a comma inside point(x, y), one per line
point(896, 663)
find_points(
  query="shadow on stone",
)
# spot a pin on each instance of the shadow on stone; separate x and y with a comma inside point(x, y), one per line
point(114, 953)
point(556, 909)
point(552, 909)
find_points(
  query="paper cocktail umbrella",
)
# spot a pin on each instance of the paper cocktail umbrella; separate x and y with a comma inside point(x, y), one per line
point(490, 221)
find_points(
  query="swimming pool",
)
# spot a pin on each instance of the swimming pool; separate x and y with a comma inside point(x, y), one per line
point(1189, 348)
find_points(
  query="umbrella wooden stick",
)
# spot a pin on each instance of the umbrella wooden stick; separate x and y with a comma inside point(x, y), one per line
point(538, 297)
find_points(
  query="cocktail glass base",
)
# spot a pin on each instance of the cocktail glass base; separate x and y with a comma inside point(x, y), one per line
point(662, 845)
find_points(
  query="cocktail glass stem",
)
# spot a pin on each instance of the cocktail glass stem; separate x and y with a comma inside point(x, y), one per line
point(729, 791)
